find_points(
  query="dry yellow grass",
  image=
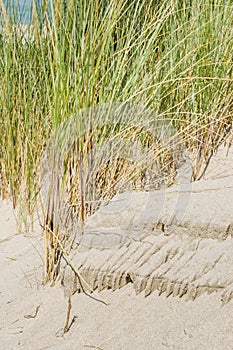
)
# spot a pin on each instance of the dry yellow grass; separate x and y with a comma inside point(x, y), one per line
point(5, 17)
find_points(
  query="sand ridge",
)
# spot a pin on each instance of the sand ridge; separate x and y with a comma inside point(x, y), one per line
point(33, 314)
point(178, 241)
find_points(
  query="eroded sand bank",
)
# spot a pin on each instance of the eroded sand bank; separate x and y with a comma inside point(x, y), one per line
point(33, 315)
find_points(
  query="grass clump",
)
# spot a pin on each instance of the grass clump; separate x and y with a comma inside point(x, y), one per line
point(173, 59)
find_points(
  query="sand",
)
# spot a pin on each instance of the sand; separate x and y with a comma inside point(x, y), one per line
point(33, 314)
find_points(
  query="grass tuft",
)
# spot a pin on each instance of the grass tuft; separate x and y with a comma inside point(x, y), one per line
point(166, 62)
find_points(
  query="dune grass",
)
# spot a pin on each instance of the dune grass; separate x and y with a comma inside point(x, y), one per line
point(173, 58)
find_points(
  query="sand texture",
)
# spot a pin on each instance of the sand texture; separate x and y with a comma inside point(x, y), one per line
point(177, 241)
point(173, 246)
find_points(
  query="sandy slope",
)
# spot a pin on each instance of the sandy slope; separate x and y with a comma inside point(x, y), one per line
point(178, 240)
point(32, 315)
point(128, 322)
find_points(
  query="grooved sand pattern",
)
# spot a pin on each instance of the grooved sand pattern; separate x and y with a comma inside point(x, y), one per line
point(174, 265)
point(177, 241)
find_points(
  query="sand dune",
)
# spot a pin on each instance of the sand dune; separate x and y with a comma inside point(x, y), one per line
point(186, 273)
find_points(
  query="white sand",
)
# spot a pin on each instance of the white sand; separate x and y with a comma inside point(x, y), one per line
point(128, 322)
